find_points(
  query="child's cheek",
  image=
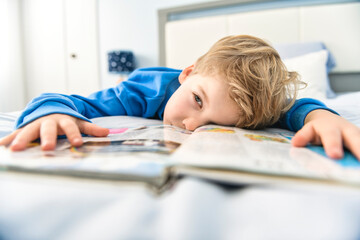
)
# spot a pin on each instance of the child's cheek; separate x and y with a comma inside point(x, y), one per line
point(185, 103)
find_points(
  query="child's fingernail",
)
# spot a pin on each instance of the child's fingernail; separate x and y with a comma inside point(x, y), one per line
point(337, 153)
point(14, 143)
point(14, 146)
point(77, 141)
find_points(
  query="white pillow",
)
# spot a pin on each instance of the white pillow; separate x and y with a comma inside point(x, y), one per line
point(312, 70)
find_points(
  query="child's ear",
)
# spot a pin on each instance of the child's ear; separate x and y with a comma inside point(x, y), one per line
point(185, 73)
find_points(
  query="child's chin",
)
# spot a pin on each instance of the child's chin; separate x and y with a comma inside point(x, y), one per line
point(166, 122)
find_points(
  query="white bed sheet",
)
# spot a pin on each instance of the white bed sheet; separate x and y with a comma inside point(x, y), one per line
point(347, 105)
point(40, 208)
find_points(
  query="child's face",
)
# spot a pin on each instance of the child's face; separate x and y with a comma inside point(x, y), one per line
point(200, 100)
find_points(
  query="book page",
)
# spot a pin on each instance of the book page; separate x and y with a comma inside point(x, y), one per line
point(267, 152)
point(133, 134)
point(136, 148)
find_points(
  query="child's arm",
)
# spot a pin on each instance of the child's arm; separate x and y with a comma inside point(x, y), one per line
point(330, 130)
point(141, 95)
point(56, 114)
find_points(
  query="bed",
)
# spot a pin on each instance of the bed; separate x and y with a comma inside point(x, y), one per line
point(43, 207)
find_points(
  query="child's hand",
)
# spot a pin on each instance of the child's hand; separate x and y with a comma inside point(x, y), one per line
point(47, 128)
point(330, 130)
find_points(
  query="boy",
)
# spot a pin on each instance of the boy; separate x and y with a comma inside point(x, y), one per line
point(240, 81)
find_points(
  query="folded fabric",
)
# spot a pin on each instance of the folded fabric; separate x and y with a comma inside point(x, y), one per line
point(312, 70)
point(291, 50)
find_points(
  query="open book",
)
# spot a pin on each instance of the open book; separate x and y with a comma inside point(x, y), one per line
point(144, 150)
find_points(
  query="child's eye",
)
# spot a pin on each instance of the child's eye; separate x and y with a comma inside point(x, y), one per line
point(198, 100)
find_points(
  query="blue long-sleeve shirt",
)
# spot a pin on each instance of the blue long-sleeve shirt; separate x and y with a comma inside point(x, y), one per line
point(144, 94)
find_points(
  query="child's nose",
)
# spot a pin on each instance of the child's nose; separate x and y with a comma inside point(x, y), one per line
point(191, 124)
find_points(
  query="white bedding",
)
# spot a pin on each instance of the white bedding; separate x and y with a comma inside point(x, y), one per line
point(7, 121)
point(347, 105)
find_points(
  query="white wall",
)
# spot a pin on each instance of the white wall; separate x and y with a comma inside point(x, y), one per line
point(12, 89)
point(131, 25)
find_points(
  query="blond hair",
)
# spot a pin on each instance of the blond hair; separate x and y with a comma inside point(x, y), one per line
point(257, 78)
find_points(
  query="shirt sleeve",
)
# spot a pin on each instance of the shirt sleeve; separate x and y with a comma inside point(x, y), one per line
point(73, 105)
point(294, 118)
point(141, 95)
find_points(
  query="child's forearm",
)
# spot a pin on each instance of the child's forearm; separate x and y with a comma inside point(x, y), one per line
point(294, 118)
point(316, 114)
point(80, 107)
point(47, 104)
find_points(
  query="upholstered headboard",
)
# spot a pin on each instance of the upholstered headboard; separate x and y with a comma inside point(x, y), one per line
point(187, 32)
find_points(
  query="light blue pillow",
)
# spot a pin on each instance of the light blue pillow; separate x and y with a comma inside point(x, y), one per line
point(291, 50)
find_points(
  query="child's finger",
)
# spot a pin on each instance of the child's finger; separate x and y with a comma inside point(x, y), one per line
point(9, 138)
point(352, 141)
point(93, 129)
point(27, 134)
point(332, 142)
point(48, 134)
point(72, 131)
point(304, 136)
